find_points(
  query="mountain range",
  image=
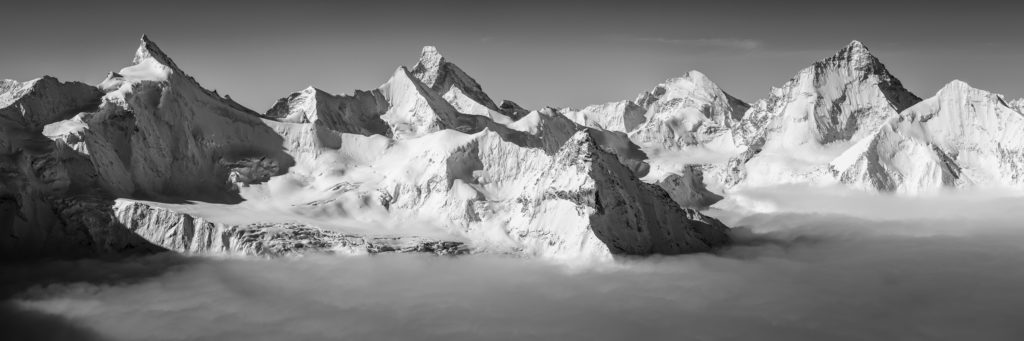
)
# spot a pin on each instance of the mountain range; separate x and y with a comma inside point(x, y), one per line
point(149, 160)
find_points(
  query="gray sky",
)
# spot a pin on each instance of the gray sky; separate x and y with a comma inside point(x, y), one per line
point(536, 53)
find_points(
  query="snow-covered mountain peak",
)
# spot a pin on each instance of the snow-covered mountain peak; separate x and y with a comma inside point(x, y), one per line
point(311, 90)
point(428, 68)
point(686, 111)
point(961, 137)
point(857, 47)
point(960, 92)
point(693, 83)
point(955, 86)
point(855, 55)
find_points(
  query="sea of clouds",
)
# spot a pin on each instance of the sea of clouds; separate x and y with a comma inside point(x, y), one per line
point(810, 264)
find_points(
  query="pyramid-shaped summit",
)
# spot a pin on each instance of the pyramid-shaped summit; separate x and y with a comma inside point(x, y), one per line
point(148, 50)
point(812, 118)
point(441, 76)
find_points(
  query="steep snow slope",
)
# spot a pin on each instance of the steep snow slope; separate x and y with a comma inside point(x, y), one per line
point(813, 118)
point(960, 137)
point(445, 78)
point(158, 134)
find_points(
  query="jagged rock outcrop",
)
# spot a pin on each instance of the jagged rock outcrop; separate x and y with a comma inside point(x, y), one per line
point(961, 137)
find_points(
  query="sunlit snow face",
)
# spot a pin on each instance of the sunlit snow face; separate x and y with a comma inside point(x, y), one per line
point(847, 266)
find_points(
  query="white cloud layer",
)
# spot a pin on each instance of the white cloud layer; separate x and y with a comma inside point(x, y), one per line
point(811, 265)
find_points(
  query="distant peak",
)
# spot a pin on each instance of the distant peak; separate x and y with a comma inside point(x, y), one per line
point(691, 81)
point(856, 44)
point(697, 76)
point(428, 68)
point(149, 50)
point(855, 50)
point(430, 56)
point(430, 59)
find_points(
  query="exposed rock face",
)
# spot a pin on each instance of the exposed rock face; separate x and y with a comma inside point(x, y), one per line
point(960, 137)
point(117, 167)
point(511, 109)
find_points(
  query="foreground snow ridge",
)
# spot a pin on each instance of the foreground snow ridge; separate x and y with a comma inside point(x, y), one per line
point(149, 160)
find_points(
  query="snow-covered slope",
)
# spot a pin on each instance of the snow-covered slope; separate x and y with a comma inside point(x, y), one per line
point(960, 137)
point(159, 134)
point(812, 119)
